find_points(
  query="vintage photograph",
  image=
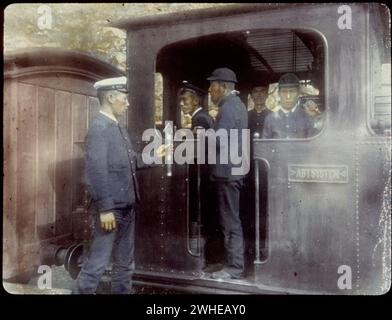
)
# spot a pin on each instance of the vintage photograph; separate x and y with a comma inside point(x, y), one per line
point(197, 148)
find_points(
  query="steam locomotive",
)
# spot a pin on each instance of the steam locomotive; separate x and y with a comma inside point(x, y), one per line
point(317, 213)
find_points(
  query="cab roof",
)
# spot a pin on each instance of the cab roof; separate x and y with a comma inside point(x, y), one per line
point(189, 15)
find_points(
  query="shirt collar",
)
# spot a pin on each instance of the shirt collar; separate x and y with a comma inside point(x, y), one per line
point(109, 116)
point(196, 111)
point(292, 110)
point(258, 113)
point(232, 93)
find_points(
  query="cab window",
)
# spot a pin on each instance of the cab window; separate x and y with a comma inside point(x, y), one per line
point(259, 58)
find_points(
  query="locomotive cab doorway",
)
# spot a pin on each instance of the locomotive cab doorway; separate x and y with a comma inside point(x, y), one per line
point(259, 58)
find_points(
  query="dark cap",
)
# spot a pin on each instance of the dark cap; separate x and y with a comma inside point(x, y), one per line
point(288, 80)
point(263, 87)
point(188, 87)
point(223, 74)
point(119, 84)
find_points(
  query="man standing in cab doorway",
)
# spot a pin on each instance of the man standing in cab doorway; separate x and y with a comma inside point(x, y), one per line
point(110, 165)
point(232, 114)
point(191, 98)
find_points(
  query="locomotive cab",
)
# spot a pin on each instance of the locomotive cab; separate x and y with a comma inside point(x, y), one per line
point(250, 55)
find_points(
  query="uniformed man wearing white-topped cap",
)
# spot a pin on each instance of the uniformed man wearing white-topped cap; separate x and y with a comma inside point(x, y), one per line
point(110, 165)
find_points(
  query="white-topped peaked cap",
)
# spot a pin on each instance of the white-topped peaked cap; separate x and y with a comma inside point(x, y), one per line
point(119, 84)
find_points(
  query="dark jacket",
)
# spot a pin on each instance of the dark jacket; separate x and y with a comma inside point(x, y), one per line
point(232, 115)
point(202, 119)
point(291, 125)
point(256, 121)
point(110, 165)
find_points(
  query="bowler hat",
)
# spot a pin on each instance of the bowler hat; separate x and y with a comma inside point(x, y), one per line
point(223, 74)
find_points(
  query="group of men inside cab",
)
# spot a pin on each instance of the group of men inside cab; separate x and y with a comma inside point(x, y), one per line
point(293, 116)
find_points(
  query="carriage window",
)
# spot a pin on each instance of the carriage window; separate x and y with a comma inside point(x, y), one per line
point(158, 98)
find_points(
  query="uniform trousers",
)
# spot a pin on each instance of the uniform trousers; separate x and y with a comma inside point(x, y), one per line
point(228, 198)
point(118, 243)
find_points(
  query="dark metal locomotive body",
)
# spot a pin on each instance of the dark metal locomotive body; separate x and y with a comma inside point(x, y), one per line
point(327, 213)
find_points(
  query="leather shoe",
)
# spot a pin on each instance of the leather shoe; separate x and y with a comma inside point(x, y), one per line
point(210, 268)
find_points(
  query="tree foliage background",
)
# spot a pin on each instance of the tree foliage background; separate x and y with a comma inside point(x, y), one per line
point(86, 28)
point(81, 27)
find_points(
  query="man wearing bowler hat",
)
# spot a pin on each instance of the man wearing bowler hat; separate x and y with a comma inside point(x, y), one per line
point(110, 165)
point(232, 115)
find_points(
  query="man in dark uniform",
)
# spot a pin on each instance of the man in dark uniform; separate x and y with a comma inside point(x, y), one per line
point(291, 120)
point(110, 165)
point(257, 115)
point(232, 114)
point(190, 102)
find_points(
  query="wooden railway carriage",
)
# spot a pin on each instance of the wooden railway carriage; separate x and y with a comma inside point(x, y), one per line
point(326, 225)
point(49, 101)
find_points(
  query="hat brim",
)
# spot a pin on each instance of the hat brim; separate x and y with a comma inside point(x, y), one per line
point(113, 89)
point(289, 85)
point(211, 78)
point(199, 93)
point(220, 79)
